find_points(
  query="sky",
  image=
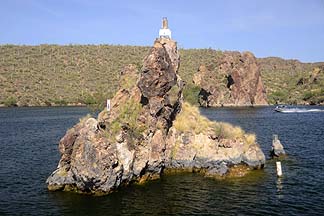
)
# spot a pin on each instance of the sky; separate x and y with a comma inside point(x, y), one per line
point(291, 29)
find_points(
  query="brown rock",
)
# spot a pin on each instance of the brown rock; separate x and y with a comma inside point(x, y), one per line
point(235, 81)
point(196, 150)
point(127, 143)
point(159, 69)
point(136, 140)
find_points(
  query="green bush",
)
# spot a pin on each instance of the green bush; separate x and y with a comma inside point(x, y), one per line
point(190, 94)
point(278, 97)
point(128, 115)
point(88, 100)
point(98, 101)
point(10, 101)
point(308, 95)
point(60, 102)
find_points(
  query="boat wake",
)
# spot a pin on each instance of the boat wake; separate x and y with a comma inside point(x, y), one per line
point(299, 110)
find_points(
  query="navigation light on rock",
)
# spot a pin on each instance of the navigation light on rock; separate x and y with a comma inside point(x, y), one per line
point(165, 32)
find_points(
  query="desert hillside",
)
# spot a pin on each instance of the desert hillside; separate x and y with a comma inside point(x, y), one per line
point(292, 82)
point(78, 74)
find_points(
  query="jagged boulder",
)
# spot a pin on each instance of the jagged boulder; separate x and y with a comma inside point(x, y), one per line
point(277, 149)
point(142, 134)
point(234, 80)
point(127, 143)
point(163, 59)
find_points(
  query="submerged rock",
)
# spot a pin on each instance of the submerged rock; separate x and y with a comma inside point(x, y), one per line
point(277, 149)
point(235, 80)
point(147, 132)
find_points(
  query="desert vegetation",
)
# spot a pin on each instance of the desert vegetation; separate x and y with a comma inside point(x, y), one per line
point(292, 82)
point(48, 75)
point(191, 120)
point(62, 75)
point(128, 115)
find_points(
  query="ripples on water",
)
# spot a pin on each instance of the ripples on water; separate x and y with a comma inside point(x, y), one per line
point(29, 153)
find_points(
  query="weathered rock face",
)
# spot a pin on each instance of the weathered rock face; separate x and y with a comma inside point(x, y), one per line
point(234, 81)
point(209, 147)
point(201, 151)
point(128, 143)
point(277, 149)
point(136, 140)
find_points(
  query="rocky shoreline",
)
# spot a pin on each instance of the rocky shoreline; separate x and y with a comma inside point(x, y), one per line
point(148, 131)
point(226, 105)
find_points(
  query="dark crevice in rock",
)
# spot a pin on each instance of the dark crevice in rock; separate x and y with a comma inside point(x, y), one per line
point(138, 138)
point(230, 81)
point(203, 97)
point(144, 100)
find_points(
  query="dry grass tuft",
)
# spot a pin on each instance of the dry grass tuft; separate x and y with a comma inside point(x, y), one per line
point(250, 139)
point(191, 120)
point(225, 130)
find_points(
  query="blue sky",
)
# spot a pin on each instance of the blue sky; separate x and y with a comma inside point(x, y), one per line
point(285, 28)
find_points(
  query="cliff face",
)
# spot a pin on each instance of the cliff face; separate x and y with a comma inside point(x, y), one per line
point(234, 81)
point(143, 134)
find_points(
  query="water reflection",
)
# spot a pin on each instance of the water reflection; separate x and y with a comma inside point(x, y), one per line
point(279, 188)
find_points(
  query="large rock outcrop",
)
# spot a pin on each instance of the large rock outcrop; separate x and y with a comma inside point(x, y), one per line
point(145, 133)
point(213, 148)
point(235, 80)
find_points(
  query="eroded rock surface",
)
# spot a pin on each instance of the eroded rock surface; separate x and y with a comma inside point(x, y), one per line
point(277, 149)
point(212, 148)
point(235, 80)
point(142, 134)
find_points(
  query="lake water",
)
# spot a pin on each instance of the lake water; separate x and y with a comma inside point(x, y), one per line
point(29, 153)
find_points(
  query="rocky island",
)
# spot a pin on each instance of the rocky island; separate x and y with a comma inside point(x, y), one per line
point(149, 131)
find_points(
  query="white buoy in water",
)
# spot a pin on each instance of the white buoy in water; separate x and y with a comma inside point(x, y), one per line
point(279, 170)
point(108, 105)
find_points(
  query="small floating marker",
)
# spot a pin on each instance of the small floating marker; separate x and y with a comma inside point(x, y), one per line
point(279, 170)
point(108, 105)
